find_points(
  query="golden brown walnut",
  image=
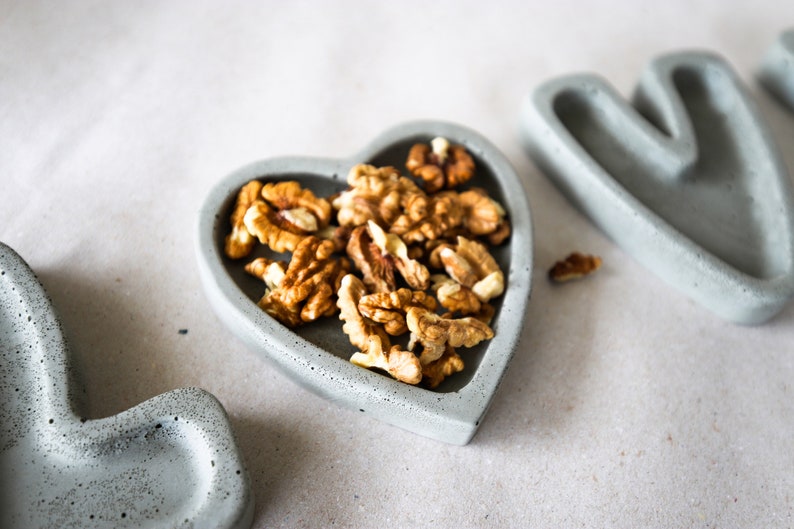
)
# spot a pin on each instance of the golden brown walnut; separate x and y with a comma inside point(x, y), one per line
point(264, 223)
point(415, 273)
point(471, 265)
point(402, 365)
point(298, 220)
point(434, 333)
point(240, 241)
point(371, 339)
point(434, 249)
point(289, 195)
point(575, 266)
point(376, 193)
point(307, 290)
point(457, 266)
point(270, 271)
point(448, 364)
point(357, 328)
point(376, 268)
point(455, 297)
point(429, 218)
point(482, 214)
point(440, 165)
point(389, 308)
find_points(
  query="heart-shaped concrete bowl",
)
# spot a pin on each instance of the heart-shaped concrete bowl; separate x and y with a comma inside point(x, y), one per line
point(171, 461)
point(687, 178)
point(777, 69)
point(317, 355)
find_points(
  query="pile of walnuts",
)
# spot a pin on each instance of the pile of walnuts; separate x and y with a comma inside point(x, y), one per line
point(392, 255)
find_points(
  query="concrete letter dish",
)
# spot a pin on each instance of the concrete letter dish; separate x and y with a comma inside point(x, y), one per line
point(169, 462)
point(777, 69)
point(317, 355)
point(688, 180)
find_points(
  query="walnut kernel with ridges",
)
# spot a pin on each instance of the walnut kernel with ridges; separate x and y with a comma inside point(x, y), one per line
point(240, 242)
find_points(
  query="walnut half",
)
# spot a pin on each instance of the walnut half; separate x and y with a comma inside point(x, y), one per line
point(308, 288)
point(240, 241)
point(575, 266)
point(440, 165)
point(370, 338)
point(435, 333)
point(471, 265)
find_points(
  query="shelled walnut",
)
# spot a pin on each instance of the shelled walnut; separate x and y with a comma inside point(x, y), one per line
point(427, 218)
point(440, 165)
point(375, 193)
point(271, 229)
point(484, 216)
point(390, 308)
point(308, 289)
point(575, 266)
point(435, 332)
point(470, 264)
point(415, 273)
point(447, 364)
point(455, 297)
point(314, 213)
point(241, 241)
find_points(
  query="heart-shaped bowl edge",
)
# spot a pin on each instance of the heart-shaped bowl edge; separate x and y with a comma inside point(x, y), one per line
point(453, 416)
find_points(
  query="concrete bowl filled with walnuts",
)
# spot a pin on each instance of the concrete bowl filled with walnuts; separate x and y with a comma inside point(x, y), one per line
point(393, 282)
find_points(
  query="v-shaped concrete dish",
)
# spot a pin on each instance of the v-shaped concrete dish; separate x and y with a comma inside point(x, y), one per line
point(169, 462)
point(688, 180)
point(777, 69)
point(317, 355)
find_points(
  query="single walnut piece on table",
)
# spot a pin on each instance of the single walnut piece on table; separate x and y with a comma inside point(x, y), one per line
point(308, 289)
point(240, 241)
point(575, 266)
point(440, 165)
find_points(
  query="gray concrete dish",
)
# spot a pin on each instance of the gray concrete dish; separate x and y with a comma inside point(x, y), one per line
point(688, 180)
point(171, 461)
point(316, 356)
point(777, 69)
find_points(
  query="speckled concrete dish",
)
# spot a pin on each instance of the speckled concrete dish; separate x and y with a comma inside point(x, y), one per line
point(169, 462)
point(689, 180)
point(777, 69)
point(316, 355)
